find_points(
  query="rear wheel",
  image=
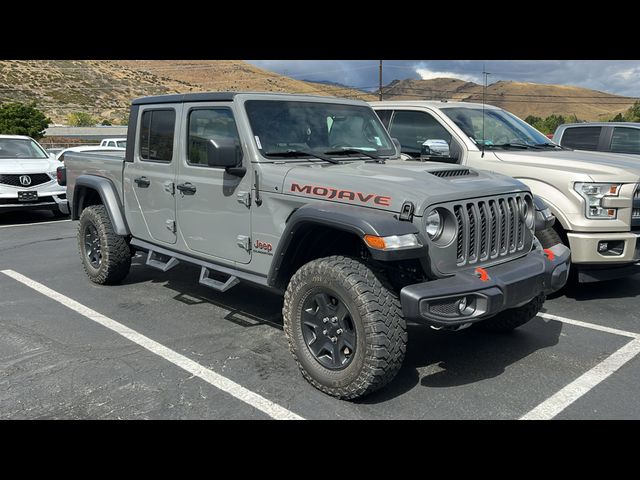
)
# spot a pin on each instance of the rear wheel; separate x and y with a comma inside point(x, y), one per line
point(106, 256)
point(344, 326)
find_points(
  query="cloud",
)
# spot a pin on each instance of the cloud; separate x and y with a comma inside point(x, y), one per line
point(621, 77)
point(426, 74)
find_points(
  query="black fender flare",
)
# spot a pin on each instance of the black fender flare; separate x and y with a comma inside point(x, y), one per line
point(110, 199)
point(356, 220)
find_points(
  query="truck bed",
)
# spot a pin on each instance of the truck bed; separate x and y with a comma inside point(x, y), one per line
point(107, 165)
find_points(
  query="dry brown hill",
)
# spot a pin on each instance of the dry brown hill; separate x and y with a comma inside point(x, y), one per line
point(105, 88)
point(521, 98)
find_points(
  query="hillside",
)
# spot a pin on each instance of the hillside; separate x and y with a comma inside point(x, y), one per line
point(521, 98)
point(105, 88)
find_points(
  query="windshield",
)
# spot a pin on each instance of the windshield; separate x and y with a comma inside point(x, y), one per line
point(20, 148)
point(280, 126)
point(122, 143)
point(500, 127)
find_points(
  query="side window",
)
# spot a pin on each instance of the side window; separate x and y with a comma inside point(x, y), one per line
point(581, 138)
point(208, 124)
point(625, 140)
point(156, 135)
point(385, 117)
point(412, 129)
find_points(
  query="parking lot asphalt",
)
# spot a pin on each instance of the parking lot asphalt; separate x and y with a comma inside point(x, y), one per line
point(196, 353)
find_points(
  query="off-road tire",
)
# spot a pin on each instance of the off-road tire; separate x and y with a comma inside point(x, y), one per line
point(513, 318)
point(549, 237)
point(116, 255)
point(376, 314)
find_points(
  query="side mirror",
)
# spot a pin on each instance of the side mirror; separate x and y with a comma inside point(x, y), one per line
point(435, 148)
point(225, 152)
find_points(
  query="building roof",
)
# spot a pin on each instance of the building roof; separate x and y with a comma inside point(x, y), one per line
point(88, 133)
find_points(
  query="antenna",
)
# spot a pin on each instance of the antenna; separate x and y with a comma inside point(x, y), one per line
point(484, 91)
point(380, 80)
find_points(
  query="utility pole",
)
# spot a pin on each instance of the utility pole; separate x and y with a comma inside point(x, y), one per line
point(380, 80)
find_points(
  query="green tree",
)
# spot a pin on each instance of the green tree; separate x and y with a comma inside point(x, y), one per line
point(22, 119)
point(552, 122)
point(106, 122)
point(532, 120)
point(618, 118)
point(573, 118)
point(81, 119)
point(633, 114)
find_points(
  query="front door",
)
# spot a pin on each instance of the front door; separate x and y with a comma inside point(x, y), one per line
point(213, 206)
point(149, 179)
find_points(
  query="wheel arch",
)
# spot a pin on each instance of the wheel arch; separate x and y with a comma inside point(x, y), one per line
point(93, 190)
point(315, 231)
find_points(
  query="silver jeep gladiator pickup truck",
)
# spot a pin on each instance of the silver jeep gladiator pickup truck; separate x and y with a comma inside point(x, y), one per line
point(306, 196)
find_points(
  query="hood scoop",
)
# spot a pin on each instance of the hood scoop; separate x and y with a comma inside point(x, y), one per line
point(459, 172)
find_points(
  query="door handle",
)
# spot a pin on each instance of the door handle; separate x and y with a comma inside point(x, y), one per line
point(186, 188)
point(142, 182)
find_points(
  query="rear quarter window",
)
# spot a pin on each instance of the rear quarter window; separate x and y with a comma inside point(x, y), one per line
point(625, 140)
point(581, 138)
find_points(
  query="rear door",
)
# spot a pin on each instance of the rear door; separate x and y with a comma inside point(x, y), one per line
point(214, 214)
point(150, 178)
point(581, 138)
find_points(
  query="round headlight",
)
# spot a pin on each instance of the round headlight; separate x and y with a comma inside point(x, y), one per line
point(434, 224)
point(528, 214)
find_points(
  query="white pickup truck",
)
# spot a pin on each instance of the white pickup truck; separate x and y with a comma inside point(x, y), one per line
point(594, 195)
point(114, 142)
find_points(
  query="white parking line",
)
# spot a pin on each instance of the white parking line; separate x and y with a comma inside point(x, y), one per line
point(576, 389)
point(238, 391)
point(559, 401)
point(36, 223)
point(592, 326)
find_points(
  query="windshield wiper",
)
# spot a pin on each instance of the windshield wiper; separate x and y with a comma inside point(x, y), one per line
point(515, 145)
point(354, 151)
point(303, 153)
point(543, 145)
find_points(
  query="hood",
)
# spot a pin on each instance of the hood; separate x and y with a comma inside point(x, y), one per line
point(388, 186)
point(599, 167)
point(27, 165)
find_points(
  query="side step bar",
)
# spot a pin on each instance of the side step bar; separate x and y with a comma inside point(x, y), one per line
point(155, 262)
point(154, 259)
point(216, 284)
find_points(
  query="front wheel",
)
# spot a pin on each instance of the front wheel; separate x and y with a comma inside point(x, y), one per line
point(106, 256)
point(345, 327)
point(511, 319)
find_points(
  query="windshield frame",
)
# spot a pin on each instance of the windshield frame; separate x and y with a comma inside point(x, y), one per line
point(263, 155)
point(37, 146)
point(478, 142)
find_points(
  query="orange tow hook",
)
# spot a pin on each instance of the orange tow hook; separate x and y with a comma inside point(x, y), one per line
point(482, 274)
point(550, 255)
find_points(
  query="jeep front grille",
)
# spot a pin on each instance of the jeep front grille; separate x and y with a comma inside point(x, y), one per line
point(34, 179)
point(490, 229)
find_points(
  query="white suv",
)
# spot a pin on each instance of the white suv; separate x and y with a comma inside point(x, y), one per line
point(28, 177)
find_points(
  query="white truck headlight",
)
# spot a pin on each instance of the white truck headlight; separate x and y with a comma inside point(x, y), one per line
point(593, 193)
point(434, 224)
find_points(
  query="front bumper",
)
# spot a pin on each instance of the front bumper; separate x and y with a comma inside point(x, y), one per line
point(46, 201)
point(593, 266)
point(508, 285)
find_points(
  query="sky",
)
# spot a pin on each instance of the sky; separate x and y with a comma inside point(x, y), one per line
point(614, 76)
